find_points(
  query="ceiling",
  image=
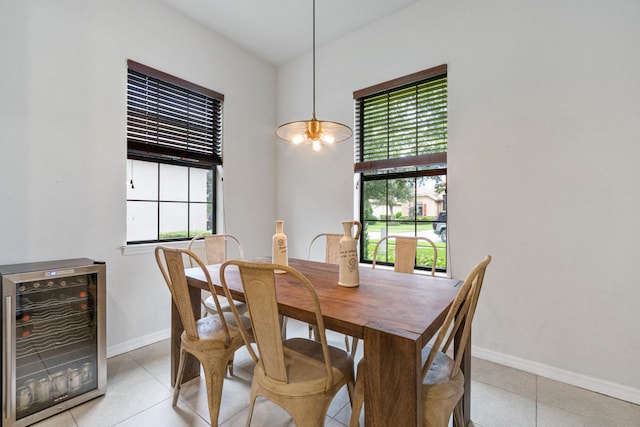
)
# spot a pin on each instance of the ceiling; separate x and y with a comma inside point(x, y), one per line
point(280, 30)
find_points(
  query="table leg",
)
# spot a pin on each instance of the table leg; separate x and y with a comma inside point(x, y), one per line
point(392, 364)
point(192, 366)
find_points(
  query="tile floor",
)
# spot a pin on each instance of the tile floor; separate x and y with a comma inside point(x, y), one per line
point(139, 395)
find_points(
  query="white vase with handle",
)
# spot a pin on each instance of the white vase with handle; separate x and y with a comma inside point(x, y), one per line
point(279, 251)
point(349, 275)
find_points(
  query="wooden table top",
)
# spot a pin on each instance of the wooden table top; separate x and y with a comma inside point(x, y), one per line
point(411, 305)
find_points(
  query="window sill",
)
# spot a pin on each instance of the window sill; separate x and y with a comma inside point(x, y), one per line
point(146, 248)
point(418, 272)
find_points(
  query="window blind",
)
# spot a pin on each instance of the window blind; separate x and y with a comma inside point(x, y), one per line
point(402, 123)
point(170, 120)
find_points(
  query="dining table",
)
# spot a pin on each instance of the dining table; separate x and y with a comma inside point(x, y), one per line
point(395, 314)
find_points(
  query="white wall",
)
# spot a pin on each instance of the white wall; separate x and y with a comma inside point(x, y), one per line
point(544, 100)
point(63, 142)
point(544, 107)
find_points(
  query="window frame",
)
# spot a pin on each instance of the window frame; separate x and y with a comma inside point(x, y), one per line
point(400, 167)
point(162, 202)
point(184, 130)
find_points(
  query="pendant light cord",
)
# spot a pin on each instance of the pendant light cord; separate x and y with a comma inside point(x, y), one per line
point(314, 59)
point(311, 131)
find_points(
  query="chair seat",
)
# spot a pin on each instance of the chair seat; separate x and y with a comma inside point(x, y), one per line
point(210, 329)
point(210, 305)
point(439, 384)
point(211, 332)
point(451, 390)
point(306, 369)
point(440, 393)
point(440, 369)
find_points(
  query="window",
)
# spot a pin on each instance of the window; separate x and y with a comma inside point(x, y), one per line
point(401, 159)
point(174, 135)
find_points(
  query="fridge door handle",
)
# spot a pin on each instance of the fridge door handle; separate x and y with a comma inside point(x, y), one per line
point(8, 339)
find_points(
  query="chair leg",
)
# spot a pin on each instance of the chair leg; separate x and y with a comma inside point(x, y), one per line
point(309, 415)
point(313, 333)
point(230, 365)
point(283, 327)
point(354, 347)
point(251, 406)
point(350, 390)
point(358, 401)
point(439, 414)
point(181, 365)
point(346, 343)
point(214, 372)
point(458, 418)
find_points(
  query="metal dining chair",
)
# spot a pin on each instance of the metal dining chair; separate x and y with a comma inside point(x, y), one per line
point(442, 379)
point(331, 256)
point(215, 248)
point(331, 247)
point(300, 375)
point(213, 339)
point(406, 248)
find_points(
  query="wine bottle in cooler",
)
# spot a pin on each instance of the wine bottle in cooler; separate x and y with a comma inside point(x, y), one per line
point(24, 331)
point(23, 316)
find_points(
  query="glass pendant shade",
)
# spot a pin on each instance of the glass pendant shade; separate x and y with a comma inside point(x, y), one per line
point(315, 132)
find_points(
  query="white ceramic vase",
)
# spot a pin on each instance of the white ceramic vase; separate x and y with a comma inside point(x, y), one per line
point(348, 273)
point(279, 250)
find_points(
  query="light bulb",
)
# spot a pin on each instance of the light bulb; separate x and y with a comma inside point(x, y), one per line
point(297, 139)
point(327, 139)
point(315, 145)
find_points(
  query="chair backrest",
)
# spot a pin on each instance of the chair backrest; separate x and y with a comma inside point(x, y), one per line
point(406, 249)
point(171, 264)
point(215, 247)
point(331, 248)
point(259, 287)
point(460, 315)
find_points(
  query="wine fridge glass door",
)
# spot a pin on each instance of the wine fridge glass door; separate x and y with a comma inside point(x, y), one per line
point(53, 347)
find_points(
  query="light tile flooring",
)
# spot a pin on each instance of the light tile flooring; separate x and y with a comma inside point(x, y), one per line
point(139, 395)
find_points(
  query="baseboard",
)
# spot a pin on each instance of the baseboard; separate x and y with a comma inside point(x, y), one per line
point(608, 388)
point(130, 345)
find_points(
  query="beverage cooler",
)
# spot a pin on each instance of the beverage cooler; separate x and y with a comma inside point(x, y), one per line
point(53, 337)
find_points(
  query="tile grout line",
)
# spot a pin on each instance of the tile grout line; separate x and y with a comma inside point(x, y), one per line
point(162, 384)
point(139, 412)
point(72, 417)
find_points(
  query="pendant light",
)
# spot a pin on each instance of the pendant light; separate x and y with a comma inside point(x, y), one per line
point(315, 132)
